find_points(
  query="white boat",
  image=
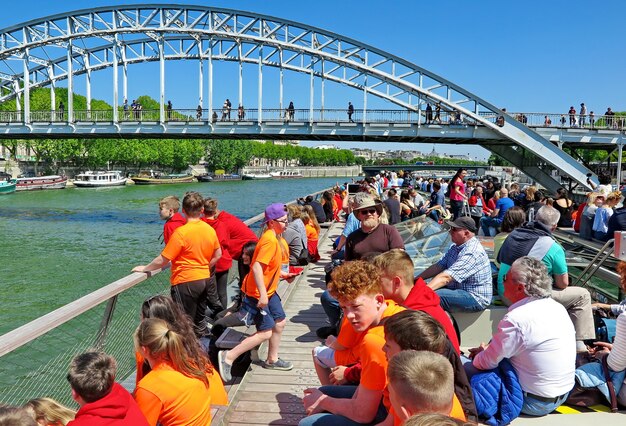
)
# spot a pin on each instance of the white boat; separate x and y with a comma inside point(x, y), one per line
point(100, 179)
point(256, 176)
point(41, 182)
point(287, 174)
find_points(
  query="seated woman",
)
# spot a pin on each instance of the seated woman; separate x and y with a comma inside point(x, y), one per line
point(600, 225)
point(478, 205)
point(164, 308)
point(312, 233)
point(408, 209)
point(594, 200)
point(177, 390)
point(48, 412)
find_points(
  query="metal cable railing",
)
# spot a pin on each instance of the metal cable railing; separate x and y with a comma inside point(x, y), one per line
point(34, 358)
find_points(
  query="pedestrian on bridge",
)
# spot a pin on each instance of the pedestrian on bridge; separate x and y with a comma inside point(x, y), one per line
point(438, 113)
point(199, 112)
point(241, 112)
point(62, 111)
point(429, 113)
point(583, 115)
point(350, 111)
point(291, 111)
point(572, 116)
point(169, 110)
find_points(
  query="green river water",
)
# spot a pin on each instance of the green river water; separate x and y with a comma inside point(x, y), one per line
point(58, 245)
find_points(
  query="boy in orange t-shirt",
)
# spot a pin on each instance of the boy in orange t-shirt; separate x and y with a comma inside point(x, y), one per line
point(261, 305)
point(193, 250)
point(357, 287)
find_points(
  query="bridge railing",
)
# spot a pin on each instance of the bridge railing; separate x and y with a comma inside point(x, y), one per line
point(337, 115)
point(35, 357)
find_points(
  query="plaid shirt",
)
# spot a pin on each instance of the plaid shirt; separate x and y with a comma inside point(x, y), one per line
point(469, 267)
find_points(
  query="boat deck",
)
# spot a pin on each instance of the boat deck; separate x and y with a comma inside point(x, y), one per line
point(275, 397)
point(265, 397)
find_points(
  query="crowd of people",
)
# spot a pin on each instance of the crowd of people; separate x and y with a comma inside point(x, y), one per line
point(391, 352)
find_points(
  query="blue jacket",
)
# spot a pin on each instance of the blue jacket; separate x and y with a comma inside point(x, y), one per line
point(498, 395)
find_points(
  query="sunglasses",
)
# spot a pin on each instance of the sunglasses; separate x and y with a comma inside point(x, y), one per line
point(368, 211)
point(285, 221)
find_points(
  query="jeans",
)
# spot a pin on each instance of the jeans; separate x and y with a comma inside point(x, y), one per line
point(534, 407)
point(328, 419)
point(458, 301)
point(457, 207)
point(490, 222)
point(331, 308)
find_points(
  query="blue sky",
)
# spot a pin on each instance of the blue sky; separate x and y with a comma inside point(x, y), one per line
point(526, 56)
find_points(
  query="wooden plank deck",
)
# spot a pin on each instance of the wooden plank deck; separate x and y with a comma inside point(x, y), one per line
point(266, 397)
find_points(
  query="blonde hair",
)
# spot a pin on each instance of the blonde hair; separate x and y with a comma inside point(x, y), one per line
point(163, 343)
point(171, 202)
point(312, 218)
point(294, 211)
point(423, 380)
point(395, 262)
point(433, 419)
point(50, 411)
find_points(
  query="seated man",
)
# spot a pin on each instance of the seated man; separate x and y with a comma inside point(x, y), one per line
point(536, 336)
point(497, 215)
point(356, 285)
point(535, 239)
point(462, 278)
point(101, 400)
point(420, 382)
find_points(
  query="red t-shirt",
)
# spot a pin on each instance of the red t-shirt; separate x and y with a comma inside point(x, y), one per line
point(238, 233)
point(226, 261)
point(171, 224)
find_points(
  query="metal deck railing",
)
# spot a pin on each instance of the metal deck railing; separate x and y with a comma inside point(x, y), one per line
point(35, 357)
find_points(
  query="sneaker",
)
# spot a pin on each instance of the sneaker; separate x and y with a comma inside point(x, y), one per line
point(324, 332)
point(223, 366)
point(279, 364)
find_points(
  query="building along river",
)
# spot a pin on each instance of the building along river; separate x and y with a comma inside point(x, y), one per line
point(59, 245)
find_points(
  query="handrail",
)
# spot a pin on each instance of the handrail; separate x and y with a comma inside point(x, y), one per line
point(318, 115)
point(38, 327)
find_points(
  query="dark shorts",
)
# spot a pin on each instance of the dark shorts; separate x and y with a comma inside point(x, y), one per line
point(263, 319)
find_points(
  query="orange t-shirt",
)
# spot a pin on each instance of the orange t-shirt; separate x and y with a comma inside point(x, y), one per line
point(367, 348)
point(190, 249)
point(311, 232)
point(219, 396)
point(269, 254)
point(170, 398)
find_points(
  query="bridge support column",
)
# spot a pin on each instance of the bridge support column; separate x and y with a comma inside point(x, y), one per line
point(260, 97)
point(620, 147)
point(210, 83)
point(26, 78)
point(53, 98)
point(200, 75)
point(70, 82)
point(311, 94)
point(18, 99)
point(88, 85)
point(240, 76)
point(161, 82)
point(116, 58)
point(280, 84)
point(124, 78)
point(323, 89)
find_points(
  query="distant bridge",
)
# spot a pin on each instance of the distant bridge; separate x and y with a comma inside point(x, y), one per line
point(61, 47)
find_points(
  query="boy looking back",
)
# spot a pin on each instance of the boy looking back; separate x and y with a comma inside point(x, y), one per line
point(420, 382)
point(168, 210)
point(356, 285)
point(101, 400)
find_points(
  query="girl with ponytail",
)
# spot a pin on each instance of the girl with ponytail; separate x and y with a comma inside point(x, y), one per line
point(176, 391)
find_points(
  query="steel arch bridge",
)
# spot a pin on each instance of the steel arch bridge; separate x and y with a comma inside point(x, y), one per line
point(43, 52)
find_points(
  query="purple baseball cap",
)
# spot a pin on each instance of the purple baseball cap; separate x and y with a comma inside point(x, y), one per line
point(275, 211)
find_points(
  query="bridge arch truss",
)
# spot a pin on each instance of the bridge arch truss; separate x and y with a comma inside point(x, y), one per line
point(43, 52)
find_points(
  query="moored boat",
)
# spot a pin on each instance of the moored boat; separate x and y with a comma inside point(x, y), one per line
point(226, 176)
point(256, 176)
point(100, 179)
point(7, 187)
point(286, 174)
point(41, 182)
point(204, 178)
point(158, 178)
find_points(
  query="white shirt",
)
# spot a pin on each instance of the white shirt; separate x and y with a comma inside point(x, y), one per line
point(539, 339)
point(617, 357)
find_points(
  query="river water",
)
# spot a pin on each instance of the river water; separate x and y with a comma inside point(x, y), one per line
point(58, 245)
